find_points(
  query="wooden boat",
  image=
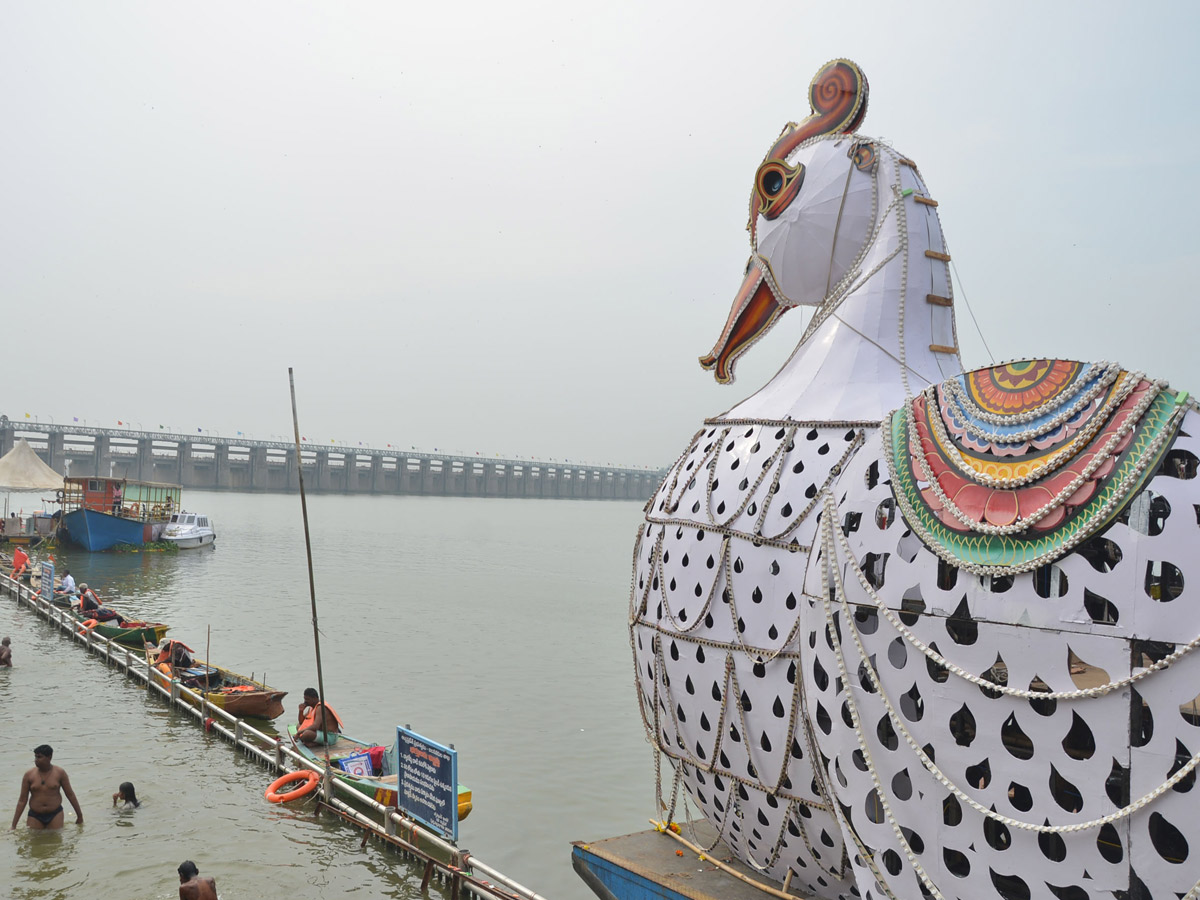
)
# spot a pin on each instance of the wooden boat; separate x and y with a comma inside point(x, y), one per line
point(225, 689)
point(380, 787)
point(131, 634)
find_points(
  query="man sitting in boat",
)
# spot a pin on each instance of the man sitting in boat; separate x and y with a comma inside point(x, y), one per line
point(88, 601)
point(173, 655)
point(92, 607)
point(318, 722)
point(68, 583)
point(104, 614)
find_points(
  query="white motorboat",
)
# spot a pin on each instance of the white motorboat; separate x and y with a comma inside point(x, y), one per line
point(187, 530)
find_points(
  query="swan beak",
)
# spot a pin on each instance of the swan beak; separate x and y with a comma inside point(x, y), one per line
point(755, 309)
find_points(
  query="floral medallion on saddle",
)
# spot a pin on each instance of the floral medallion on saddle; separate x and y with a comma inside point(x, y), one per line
point(1005, 469)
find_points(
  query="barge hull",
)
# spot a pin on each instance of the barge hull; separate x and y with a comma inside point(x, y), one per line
point(645, 866)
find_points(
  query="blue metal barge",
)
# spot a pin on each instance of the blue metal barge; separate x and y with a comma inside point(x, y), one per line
point(648, 866)
point(100, 513)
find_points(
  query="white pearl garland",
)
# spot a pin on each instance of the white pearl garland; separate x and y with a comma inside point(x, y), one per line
point(830, 572)
point(939, 660)
point(836, 586)
point(1102, 515)
point(1068, 452)
point(1095, 463)
point(1028, 415)
point(955, 397)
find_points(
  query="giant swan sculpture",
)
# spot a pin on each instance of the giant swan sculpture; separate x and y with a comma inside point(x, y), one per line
point(903, 631)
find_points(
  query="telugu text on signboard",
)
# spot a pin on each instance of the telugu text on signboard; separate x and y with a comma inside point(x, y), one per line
point(427, 782)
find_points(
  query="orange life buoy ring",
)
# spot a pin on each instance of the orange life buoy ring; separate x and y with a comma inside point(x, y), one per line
point(87, 625)
point(310, 782)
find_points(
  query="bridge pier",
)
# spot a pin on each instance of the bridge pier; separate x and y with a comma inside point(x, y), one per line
point(224, 475)
point(56, 457)
point(143, 463)
point(260, 476)
point(293, 470)
point(187, 463)
point(321, 479)
point(103, 455)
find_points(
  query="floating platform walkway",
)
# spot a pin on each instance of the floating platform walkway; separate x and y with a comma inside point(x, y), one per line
point(660, 865)
point(465, 876)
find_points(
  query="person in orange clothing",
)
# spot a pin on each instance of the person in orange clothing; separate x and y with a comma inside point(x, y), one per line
point(20, 562)
point(318, 722)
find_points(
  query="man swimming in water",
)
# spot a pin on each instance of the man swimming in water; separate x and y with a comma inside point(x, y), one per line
point(192, 886)
point(42, 788)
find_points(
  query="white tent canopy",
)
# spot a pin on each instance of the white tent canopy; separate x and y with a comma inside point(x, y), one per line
point(21, 469)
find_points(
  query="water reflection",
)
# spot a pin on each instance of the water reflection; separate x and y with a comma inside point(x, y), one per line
point(44, 862)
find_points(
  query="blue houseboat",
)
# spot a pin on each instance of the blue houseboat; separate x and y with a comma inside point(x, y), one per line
point(100, 513)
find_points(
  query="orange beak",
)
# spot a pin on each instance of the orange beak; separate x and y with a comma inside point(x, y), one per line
point(755, 309)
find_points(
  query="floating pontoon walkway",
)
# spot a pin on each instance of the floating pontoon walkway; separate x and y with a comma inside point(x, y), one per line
point(464, 875)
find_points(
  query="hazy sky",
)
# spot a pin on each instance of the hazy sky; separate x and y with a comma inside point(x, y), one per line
point(513, 227)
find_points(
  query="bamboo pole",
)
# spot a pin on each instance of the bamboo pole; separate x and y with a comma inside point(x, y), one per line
point(312, 585)
point(729, 870)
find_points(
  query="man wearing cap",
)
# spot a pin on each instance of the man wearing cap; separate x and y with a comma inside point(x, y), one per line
point(42, 788)
point(88, 601)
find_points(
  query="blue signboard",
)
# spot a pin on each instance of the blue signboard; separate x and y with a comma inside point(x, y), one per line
point(47, 587)
point(427, 782)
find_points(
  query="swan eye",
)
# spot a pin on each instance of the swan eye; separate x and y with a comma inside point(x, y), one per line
point(776, 185)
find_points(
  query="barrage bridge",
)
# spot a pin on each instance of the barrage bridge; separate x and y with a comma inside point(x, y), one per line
point(218, 463)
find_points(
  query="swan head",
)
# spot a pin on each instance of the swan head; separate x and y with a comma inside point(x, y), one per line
point(812, 210)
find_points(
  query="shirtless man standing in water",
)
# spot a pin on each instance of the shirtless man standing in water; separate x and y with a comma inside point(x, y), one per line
point(43, 787)
point(194, 886)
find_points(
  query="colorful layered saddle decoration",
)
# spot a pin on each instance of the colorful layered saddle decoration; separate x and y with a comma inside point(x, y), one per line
point(1005, 469)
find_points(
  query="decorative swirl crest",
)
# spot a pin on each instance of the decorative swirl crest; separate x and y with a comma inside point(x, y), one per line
point(838, 99)
point(837, 96)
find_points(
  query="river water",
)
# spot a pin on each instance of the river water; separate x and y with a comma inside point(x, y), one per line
point(496, 625)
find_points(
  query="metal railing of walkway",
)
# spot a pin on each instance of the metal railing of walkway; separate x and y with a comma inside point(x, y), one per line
point(462, 872)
